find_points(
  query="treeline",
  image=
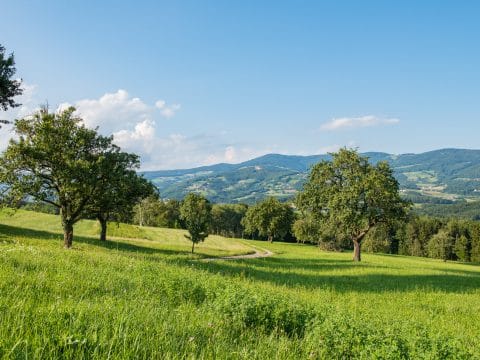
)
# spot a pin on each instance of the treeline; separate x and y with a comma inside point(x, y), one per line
point(269, 219)
point(439, 238)
point(460, 209)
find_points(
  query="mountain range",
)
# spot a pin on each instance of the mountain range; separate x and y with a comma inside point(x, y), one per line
point(439, 176)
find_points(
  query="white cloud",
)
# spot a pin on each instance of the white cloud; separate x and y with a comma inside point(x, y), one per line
point(167, 110)
point(136, 127)
point(346, 123)
point(29, 104)
point(114, 112)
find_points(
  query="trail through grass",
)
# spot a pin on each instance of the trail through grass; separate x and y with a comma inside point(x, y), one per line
point(130, 298)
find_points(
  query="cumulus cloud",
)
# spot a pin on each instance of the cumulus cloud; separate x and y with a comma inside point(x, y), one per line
point(167, 110)
point(29, 104)
point(136, 127)
point(114, 112)
point(346, 123)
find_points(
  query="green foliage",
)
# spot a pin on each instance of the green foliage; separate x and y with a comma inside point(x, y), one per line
point(348, 196)
point(459, 209)
point(227, 219)
point(307, 230)
point(146, 211)
point(379, 240)
point(152, 211)
point(269, 218)
point(9, 88)
point(415, 236)
point(462, 248)
point(440, 246)
point(195, 211)
point(56, 160)
point(118, 188)
point(475, 242)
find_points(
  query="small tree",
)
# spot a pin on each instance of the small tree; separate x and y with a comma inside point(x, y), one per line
point(348, 196)
point(269, 218)
point(56, 160)
point(9, 88)
point(195, 212)
point(119, 189)
point(306, 229)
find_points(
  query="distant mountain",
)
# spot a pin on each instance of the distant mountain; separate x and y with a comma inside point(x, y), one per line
point(438, 176)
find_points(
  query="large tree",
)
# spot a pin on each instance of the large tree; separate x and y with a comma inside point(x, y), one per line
point(195, 211)
point(56, 160)
point(118, 189)
point(9, 88)
point(269, 218)
point(348, 196)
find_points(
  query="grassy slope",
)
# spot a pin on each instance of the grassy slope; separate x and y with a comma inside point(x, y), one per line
point(144, 299)
point(87, 231)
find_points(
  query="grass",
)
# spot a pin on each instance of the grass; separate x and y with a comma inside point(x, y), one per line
point(150, 299)
point(87, 231)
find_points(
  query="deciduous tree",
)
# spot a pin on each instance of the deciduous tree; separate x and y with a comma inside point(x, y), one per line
point(195, 211)
point(269, 218)
point(348, 196)
point(56, 160)
point(9, 88)
point(118, 189)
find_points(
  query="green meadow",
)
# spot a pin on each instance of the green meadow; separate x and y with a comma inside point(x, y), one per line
point(143, 295)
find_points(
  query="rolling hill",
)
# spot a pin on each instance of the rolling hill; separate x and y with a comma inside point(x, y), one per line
point(439, 176)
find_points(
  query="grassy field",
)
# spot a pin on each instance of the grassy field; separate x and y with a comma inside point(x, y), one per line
point(130, 236)
point(149, 298)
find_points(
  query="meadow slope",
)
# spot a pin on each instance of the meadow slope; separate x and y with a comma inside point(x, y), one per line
point(147, 297)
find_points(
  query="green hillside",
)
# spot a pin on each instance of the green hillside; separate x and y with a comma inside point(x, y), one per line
point(87, 231)
point(437, 176)
point(142, 298)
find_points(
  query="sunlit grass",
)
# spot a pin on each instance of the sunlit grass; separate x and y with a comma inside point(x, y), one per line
point(150, 298)
point(150, 237)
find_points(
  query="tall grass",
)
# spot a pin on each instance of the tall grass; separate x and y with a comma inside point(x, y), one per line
point(144, 299)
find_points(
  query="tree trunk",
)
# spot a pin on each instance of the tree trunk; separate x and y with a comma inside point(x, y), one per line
point(356, 250)
point(270, 238)
point(67, 235)
point(103, 230)
point(193, 246)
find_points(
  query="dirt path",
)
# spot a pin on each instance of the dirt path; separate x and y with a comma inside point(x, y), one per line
point(259, 253)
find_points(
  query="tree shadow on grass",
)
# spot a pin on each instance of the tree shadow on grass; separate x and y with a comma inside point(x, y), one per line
point(312, 264)
point(283, 272)
point(8, 231)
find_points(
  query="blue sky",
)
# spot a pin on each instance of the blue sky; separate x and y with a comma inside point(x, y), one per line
point(187, 83)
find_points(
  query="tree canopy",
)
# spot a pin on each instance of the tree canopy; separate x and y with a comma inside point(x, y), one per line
point(57, 160)
point(118, 189)
point(9, 88)
point(269, 218)
point(348, 196)
point(195, 211)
